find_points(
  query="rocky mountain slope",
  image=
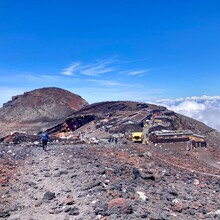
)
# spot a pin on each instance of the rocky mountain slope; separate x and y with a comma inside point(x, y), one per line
point(102, 174)
point(38, 109)
point(126, 117)
point(106, 181)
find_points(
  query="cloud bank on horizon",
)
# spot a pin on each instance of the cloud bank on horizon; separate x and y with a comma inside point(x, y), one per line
point(205, 108)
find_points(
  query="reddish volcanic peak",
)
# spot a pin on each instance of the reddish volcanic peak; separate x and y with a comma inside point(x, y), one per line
point(45, 105)
point(48, 95)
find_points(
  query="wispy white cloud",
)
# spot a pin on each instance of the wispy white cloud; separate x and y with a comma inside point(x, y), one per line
point(70, 70)
point(103, 66)
point(204, 108)
point(137, 72)
point(96, 68)
point(111, 83)
point(135, 60)
point(96, 71)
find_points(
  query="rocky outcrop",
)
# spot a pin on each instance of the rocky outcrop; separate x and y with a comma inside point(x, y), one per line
point(38, 109)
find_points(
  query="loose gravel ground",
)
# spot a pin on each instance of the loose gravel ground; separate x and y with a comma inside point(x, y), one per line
point(105, 181)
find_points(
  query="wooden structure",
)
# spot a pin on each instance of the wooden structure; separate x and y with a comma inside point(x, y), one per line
point(166, 136)
point(170, 136)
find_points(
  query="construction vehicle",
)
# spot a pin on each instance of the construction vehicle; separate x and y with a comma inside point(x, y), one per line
point(137, 137)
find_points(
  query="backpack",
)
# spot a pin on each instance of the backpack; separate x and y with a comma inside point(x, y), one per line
point(44, 136)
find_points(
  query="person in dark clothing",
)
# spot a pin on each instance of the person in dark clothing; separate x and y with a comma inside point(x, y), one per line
point(44, 139)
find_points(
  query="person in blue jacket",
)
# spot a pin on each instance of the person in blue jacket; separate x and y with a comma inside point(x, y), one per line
point(44, 139)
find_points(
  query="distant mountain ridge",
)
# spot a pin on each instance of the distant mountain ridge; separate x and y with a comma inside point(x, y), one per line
point(54, 108)
point(38, 109)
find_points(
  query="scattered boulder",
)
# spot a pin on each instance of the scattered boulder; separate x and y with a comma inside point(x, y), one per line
point(136, 173)
point(4, 214)
point(92, 185)
point(49, 195)
point(74, 211)
point(119, 206)
point(70, 201)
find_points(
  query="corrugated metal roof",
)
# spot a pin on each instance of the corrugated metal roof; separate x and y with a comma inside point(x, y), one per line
point(139, 117)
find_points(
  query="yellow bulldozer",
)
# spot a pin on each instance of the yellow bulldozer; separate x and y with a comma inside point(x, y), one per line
point(137, 137)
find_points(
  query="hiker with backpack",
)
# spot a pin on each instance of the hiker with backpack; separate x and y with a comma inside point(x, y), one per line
point(44, 139)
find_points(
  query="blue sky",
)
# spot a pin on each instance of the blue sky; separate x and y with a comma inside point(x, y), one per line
point(111, 50)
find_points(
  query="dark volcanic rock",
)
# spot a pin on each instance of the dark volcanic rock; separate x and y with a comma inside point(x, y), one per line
point(49, 195)
point(93, 184)
point(136, 173)
point(74, 211)
point(4, 214)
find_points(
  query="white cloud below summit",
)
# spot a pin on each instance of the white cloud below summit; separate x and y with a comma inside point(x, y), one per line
point(205, 108)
